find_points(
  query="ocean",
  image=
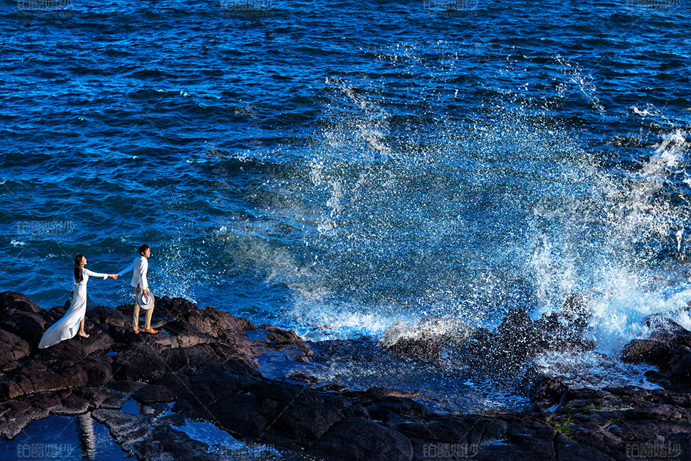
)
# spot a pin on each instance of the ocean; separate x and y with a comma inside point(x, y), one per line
point(339, 167)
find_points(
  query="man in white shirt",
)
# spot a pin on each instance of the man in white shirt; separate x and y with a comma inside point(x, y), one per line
point(139, 268)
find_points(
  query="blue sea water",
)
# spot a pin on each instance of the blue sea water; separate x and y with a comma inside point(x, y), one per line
point(337, 167)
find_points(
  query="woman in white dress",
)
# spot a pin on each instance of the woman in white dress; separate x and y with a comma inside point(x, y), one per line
point(73, 321)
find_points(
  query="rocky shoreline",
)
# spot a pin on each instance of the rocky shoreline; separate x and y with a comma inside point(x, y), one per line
point(206, 366)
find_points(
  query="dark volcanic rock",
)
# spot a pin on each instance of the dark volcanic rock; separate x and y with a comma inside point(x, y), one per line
point(575, 311)
point(564, 331)
point(362, 439)
point(281, 337)
point(13, 350)
point(168, 389)
point(646, 351)
point(261, 408)
point(538, 386)
point(428, 338)
point(678, 368)
point(28, 326)
point(668, 347)
point(209, 386)
point(307, 419)
point(508, 347)
point(245, 415)
point(99, 341)
point(141, 362)
point(514, 339)
point(22, 317)
point(12, 303)
point(15, 415)
point(471, 430)
point(403, 407)
point(71, 403)
point(660, 346)
point(204, 362)
point(102, 315)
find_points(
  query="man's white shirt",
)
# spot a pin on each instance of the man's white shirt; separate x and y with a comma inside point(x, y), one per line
point(139, 267)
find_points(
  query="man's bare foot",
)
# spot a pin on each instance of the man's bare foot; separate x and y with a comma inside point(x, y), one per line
point(151, 330)
point(136, 331)
point(83, 335)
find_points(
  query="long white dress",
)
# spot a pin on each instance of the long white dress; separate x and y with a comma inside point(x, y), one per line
point(68, 326)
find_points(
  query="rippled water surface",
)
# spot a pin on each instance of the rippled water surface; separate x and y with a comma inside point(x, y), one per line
point(334, 167)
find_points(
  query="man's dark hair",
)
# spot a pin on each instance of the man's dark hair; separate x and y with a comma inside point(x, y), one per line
point(143, 248)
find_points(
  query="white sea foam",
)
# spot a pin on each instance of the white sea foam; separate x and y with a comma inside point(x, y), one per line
point(647, 111)
point(583, 81)
point(173, 275)
point(467, 218)
point(321, 320)
point(591, 369)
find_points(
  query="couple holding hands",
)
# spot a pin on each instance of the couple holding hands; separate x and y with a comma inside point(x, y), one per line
point(73, 320)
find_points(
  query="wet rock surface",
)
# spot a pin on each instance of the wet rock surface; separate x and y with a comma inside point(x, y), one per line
point(508, 347)
point(205, 365)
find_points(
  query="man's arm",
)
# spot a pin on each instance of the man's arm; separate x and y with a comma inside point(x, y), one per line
point(124, 271)
point(143, 268)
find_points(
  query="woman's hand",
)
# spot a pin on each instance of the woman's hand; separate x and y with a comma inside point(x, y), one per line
point(115, 276)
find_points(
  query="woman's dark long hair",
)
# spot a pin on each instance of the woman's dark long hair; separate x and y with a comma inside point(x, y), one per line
point(78, 277)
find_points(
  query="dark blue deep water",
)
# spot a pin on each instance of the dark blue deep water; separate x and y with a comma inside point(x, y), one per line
point(336, 167)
